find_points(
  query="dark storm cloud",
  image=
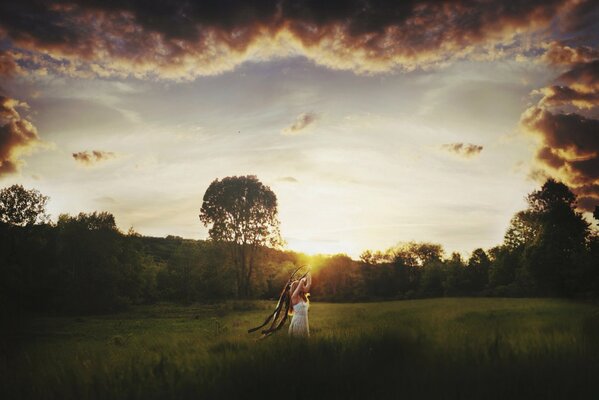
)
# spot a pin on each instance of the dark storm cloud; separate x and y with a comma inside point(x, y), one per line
point(17, 135)
point(564, 95)
point(569, 141)
point(588, 196)
point(588, 203)
point(561, 54)
point(549, 157)
point(182, 39)
point(92, 157)
point(584, 76)
point(466, 150)
point(570, 149)
point(571, 133)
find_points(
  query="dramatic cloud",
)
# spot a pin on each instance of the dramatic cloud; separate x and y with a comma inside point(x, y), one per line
point(301, 122)
point(8, 66)
point(182, 39)
point(466, 150)
point(565, 95)
point(17, 135)
point(561, 54)
point(588, 197)
point(92, 157)
point(583, 77)
point(569, 141)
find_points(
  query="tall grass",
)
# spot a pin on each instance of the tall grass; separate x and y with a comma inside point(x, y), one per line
point(441, 348)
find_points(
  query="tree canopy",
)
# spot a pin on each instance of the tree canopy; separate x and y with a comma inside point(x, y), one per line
point(85, 264)
point(95, 221)
point(21, 207)
point(242, 212)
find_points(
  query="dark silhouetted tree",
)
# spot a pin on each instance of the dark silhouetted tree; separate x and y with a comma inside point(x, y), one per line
point(561, 235)
point(21, 207)
point(242, 213)
point(523, 229)
point(454, 280)
point(431, 279)
point(423, 253)
point(336, 278)
point(100, 270)
point(478, 270)
point(95, 221)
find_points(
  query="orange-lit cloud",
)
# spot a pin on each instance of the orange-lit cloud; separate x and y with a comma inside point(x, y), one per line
point(560, 54)
point(92, 157)
point(583, 77)
point(569, 141)
point(183, 40)
point(8, 66)
point(565, 95)
point(18, 136)
point(301, 122)
point(466, 150)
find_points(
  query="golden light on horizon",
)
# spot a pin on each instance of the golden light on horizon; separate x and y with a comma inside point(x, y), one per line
point(365, 144)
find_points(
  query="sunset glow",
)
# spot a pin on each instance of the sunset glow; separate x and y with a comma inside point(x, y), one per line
point(431, 122)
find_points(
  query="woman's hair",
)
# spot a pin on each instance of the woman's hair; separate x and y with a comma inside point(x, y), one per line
point(304, 296)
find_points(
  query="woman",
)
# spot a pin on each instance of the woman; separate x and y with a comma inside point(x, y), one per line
point(299, 307)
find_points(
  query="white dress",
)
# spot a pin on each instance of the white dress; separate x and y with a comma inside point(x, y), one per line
point(299, 321)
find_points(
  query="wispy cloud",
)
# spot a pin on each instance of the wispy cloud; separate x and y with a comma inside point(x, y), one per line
point(105, 200)
point(289, 179)
point(301, 122)
point(465, 150)
point(89, 158)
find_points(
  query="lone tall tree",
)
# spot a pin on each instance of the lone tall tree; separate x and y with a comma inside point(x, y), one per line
point(243, 213)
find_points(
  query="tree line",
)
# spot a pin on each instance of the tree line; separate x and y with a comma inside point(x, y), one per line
point(85, 264)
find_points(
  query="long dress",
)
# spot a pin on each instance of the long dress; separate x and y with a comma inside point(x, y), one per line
point(299, 321)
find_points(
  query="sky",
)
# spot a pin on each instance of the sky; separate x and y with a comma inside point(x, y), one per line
point(374, 122)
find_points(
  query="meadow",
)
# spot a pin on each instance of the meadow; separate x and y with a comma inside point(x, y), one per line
point(454, 348)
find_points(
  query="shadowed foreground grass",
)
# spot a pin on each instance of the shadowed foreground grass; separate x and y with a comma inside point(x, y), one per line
point(439, 348)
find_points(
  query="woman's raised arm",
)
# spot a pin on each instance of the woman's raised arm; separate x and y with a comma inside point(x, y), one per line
point(307, 282)
point(297, 291)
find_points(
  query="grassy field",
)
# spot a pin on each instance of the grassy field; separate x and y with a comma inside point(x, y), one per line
point(438, 348)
